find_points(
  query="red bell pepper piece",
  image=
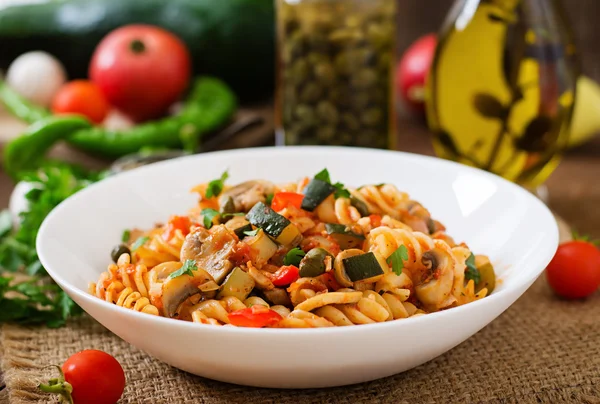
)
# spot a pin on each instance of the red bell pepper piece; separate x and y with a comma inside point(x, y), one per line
point(285, 275)
point(182, 223)
point(282, 200)
point(256, 316)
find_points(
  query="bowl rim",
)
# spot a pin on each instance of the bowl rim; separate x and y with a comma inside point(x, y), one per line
point(46, 227)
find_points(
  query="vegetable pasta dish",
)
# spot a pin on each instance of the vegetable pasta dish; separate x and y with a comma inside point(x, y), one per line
point(311, 253)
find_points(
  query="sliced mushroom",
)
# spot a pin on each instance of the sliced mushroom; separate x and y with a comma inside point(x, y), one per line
point(168, 294)
point(245, 195)
point(277, 296)
point(211, 250)
point(437, 280)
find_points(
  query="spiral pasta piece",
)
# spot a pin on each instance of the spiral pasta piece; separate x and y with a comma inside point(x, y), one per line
point(345, 213)
point(125, 285)
point(385, 241)
point(384, 199)
point(158, 250)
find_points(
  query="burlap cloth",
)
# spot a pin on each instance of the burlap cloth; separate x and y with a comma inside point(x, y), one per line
point(542, 349)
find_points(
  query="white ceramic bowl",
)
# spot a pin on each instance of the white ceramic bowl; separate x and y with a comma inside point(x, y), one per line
point(494, 216)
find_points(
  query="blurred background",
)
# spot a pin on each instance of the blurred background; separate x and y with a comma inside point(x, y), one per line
point(254, 122)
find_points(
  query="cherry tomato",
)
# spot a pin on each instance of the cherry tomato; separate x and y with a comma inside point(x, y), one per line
point(96, 377)
point(282, 200)
point(81, 97)
point(285, 275)
point(141, 69)
point(412, 71)
point(256, 316)
point(182, 223)
point(574, 272)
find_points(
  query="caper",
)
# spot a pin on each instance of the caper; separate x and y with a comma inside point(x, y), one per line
point(299, 71)
point(306, 115)
point(327, 112)
point(325, 73)
point(311, 93)
point(314, 58)
point(345, 36)
point(350, 121)
point(364, 78)
point(385, 61)
point(359, 101)
point(371, 117)
point(119, 250)
point(326, 133)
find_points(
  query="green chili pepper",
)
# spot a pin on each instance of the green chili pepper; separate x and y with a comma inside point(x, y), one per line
point(209, 105)
point(19, 106)
point(28, 150)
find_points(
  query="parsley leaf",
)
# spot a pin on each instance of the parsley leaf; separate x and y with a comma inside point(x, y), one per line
point(323, 175)
point(34, 299)
point(139, 242)
point(215, 187)
point(252, 233)
point(340, 191)
point(186, 269)
point(269, 199)
point(396, 260)
point(294, 256)
point(126, 235)
point(208, 215)
point(472, 272)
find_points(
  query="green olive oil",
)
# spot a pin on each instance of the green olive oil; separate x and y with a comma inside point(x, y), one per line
point(502, 87)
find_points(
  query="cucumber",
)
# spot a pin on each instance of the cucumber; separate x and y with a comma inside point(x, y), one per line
point(278, 227)
point(364, 266)
point(230, 39)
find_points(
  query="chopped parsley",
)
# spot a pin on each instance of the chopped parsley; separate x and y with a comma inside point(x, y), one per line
point(186, 269)
point(215, 187)
point(340, 191)
point(126, 235)
point(208, 215)
point(294, 256)
point(323, 175)
point(472, 272)
point(269, 199)
point(139, 242)
point(396, 260)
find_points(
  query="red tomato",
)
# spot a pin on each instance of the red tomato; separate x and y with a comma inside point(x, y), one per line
point(412, 71)
point(285, 275)
point(96, 377)
point(256, 316)
point(282, 200)
point(182, 223)
point(141, 69)
point(574, 272)
point(81, 97)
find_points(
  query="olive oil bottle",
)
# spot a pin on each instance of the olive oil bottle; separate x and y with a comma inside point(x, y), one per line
point(502, 87)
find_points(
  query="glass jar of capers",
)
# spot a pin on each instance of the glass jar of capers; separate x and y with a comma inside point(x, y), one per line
point(334, 76)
